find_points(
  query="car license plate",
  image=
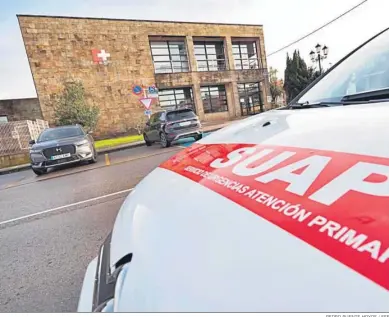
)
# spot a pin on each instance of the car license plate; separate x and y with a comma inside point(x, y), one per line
point(61, 156)
point(184, 124)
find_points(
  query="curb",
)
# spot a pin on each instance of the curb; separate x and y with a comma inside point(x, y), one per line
point(13, 169)
point(118, 148)
point(121, 147)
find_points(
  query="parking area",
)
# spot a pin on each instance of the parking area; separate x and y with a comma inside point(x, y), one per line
point(52, 226)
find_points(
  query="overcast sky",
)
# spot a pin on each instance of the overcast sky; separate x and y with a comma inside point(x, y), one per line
point(283, 21)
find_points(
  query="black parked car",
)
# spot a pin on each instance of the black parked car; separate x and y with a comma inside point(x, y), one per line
point(171, 125)
point(61, 146)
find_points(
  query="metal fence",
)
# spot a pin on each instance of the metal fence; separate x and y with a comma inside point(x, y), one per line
point(15, 136)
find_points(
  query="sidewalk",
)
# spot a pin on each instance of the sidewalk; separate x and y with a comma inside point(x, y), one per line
point(207, 127)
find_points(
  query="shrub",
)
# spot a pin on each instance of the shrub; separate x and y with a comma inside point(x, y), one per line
point(71, 107)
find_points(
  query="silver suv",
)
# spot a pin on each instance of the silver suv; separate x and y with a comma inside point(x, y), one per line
point(61, 146)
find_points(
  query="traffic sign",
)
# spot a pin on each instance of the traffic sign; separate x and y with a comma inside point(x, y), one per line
point(137, 90)
point(152, 92)
point(146, 102)
point(147, 112)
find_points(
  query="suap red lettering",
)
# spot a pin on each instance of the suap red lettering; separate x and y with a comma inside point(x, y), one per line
point(321, 197)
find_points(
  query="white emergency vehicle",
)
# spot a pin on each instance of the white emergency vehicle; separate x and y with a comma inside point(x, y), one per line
point(286, 211)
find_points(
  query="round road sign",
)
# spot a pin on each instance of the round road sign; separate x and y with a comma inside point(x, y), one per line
point(137, 90)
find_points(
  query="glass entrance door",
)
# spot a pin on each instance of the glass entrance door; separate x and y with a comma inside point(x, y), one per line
point(250, 99)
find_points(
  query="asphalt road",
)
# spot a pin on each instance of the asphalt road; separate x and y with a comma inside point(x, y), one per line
point(52, 226)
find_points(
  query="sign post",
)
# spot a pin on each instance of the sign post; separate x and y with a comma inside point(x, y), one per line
point(146, 102)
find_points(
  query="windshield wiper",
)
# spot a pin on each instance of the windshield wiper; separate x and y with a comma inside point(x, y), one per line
point(307, 105)
point(374, 95)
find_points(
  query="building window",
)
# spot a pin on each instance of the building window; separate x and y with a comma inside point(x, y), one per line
point(3, 119)
point(214, 99)
point(176, 98)
point(245, 54)
point(250, 98)
point(210, 56)
point(169, 56)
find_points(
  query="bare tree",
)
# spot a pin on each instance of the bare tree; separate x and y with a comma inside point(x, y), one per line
point(276, 89)
point(138, 124)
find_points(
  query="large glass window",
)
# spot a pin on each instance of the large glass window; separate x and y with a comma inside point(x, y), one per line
point(169, 56)
point(176, 98)
point(250, 98)
point(214, 99)
point(245, 54)
point(210, 56)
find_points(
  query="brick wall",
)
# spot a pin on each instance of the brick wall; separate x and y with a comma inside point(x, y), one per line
point(59, 49)
point(21, 109)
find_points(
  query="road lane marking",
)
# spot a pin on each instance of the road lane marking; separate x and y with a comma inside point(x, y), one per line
point(107, 161)
point(64, 207)
point(13, 184)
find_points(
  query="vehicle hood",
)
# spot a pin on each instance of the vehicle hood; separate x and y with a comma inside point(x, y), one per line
point(58, 142)
point(284, 211)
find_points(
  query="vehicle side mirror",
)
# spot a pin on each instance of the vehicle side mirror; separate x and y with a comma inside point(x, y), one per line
point(32, 142)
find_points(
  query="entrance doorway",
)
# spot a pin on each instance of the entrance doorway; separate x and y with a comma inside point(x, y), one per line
point(250, 99)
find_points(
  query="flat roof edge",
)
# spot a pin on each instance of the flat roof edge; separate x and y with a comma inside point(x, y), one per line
point(132, 20)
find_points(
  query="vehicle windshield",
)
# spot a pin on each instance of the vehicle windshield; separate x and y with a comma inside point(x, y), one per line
point(60, 133)
point(180, 115)
point(365, 70)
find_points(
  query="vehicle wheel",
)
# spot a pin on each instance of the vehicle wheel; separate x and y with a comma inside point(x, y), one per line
point(40, 171)
point(94, 159)
point(199, 137)
point(164, 141)
point(147, 141)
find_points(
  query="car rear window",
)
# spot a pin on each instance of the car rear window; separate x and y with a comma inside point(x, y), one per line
point(180, 115)
point(60, 133)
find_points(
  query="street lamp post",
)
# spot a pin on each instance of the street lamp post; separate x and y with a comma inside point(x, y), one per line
point(321, 54)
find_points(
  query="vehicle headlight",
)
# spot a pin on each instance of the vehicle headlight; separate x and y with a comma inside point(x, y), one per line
point(82, 142)
point(37, 157)
point(35, 151)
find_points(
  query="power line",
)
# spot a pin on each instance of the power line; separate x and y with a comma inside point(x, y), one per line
point(318, 29)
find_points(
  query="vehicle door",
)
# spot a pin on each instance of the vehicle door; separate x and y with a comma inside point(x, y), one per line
point(154, 126)
point(148, 128)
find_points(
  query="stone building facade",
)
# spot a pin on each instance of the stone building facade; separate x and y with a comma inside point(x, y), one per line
point(20, 109)
point(218, 69)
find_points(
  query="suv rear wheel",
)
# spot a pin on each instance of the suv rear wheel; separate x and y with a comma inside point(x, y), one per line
point(164, 141)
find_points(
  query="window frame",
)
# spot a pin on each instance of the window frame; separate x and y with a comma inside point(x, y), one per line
point(244, 43)
point(245, 86)
point(203, 45)
point(244, 92)
point(171, 61)
point(209, 99)
point(176, 100)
